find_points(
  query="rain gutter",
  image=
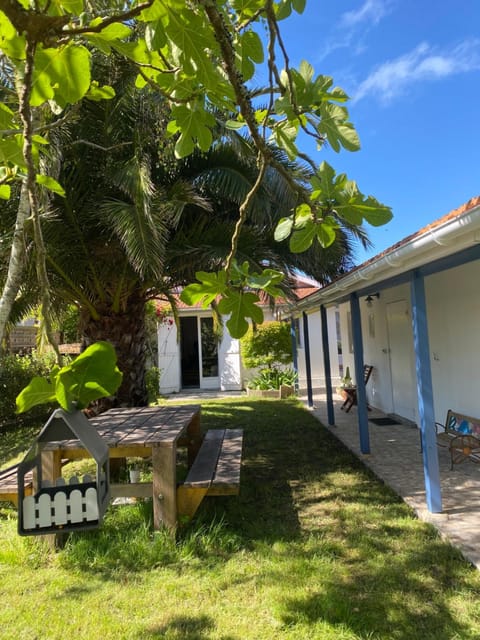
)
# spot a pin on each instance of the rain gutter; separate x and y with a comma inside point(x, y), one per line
point(452, 236)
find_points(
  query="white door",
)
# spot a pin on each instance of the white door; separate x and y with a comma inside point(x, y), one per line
point(403, 376)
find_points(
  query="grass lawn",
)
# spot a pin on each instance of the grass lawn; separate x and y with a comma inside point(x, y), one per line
point(315, 547)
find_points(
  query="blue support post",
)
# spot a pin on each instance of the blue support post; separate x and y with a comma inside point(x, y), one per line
point(360, 383)
point(326, 365)
point(293, 335)
point(308, 368)
point(425, 394)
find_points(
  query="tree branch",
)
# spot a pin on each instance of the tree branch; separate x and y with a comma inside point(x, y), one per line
point(27, 121)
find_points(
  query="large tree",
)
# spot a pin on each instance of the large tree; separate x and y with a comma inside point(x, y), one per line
point(200, 56)
point(136, 222)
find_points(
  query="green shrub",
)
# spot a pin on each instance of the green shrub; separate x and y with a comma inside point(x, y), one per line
point(273, 379)
point(267, 345)
point(152, 382)
point(15, 373)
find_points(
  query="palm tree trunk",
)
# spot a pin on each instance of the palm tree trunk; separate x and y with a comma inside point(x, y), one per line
point(126, 331)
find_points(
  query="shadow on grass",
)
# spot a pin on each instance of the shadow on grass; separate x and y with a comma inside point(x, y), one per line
point(342, 546)
point(185, 628)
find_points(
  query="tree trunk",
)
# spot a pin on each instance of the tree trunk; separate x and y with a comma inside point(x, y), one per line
point(126, 331)
point(16, 262)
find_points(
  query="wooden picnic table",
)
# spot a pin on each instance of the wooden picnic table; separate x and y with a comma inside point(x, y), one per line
point(146, 432)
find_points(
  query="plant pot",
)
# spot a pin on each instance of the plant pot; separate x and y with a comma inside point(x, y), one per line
point(134, 475)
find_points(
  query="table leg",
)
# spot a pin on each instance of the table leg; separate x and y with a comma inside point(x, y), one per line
point(51, 466)
point(164, 468)
point(51, 470)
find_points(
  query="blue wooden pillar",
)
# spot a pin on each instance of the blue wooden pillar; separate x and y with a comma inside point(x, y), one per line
point(308, 368)
point(293, 335)
point(326, 365)
point(425, 394)
point(359, 380)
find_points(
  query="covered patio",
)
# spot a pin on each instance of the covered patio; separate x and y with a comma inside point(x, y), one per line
point(396, 458)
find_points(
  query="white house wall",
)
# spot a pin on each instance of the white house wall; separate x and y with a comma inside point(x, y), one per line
point(382, 349)
point(453, 310)
point(168, 358)
point(453, 299)
point(229, 363)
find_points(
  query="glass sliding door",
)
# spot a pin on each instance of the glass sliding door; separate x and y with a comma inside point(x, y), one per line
point(209, 354)
point(199, 353)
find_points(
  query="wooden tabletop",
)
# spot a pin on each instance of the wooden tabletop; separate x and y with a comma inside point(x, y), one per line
point(144, 426)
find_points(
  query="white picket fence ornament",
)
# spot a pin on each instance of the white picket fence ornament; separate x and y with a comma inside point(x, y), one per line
point(62, 506)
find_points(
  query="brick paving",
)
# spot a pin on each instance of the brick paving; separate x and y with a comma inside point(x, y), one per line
point(395, 457)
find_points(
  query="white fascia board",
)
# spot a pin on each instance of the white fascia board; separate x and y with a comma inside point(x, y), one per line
point(451, 237)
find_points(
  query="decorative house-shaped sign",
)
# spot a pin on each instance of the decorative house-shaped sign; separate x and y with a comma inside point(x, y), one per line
point(56, 506)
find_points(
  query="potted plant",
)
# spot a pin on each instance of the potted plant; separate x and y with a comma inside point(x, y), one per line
point(346, 383)
point(273, 383)
point(134, 466)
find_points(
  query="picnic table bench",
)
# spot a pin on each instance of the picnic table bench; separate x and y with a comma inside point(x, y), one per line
point(461, 435)
point(9, 486)
point(154, 433)
point(215, 470)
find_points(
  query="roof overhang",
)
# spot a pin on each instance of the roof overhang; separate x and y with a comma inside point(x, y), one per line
point(451, 235)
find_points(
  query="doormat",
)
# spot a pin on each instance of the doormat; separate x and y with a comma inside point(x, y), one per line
point(384, 422)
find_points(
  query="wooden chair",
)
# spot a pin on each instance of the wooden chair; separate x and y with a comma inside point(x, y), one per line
point(351, 392)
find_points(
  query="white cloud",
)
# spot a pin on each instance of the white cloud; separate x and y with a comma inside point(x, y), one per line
point(372, 11)
point(353, 26)
point(395, 77)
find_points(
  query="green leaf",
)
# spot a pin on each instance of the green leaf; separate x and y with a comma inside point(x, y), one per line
point(97, 93)
point(299, 5)
point(302, 239)
point(250, 49)
point(38, 391)
point(193, 45)
point(5, 191)
point(283, 229)
point(303, 215)
point(62, 74)
point(11, 151)
point(93, 374)
point(234, 125)
point(74, 7)
point(6, 116)
point(11, 43)
point(285, 134)
point(195, 124)
point(240, 305)
point(326, 235)
point(210, 287)
point(50, 183)
point(335, 126)
point(283, 9)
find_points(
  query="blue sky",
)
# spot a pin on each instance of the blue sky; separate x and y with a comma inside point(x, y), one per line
point(412, 71)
